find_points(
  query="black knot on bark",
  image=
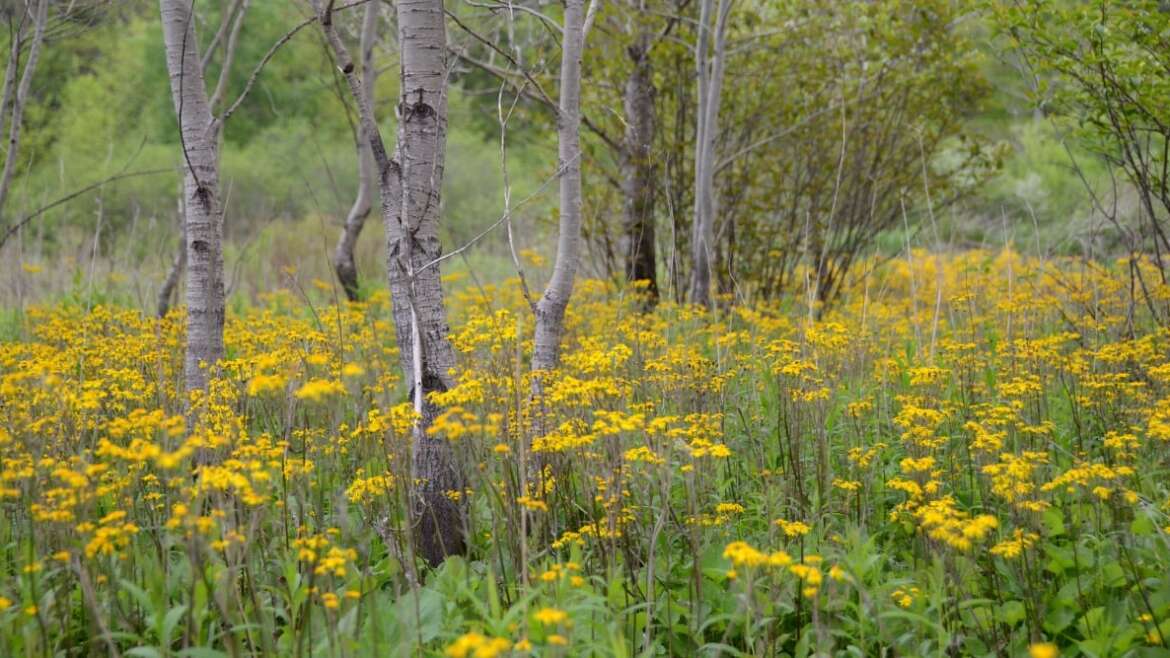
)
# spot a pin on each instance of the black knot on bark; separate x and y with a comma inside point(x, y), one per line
point(420, 108)
point(348, 68)
point(202, 196)
point(431, 383)
point(200, 246)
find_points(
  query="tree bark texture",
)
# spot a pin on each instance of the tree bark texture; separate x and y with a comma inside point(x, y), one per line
point(410, 187)
point(40, 19)
point(709, 61)
point(550, 310)
point(343, 260)
point(412, 244)
point(638, 170)
point(203, 219)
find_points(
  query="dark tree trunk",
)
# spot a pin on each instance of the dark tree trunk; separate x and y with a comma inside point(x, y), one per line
point(167, 292)
point(638, 171)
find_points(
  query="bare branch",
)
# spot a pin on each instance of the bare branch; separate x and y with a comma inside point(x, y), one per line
point(224, 23)
point(272, 53)
point(11, 230)
point(229, 55)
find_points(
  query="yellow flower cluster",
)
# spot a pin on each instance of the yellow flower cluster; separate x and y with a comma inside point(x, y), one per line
point(945, 413)
point(743, 554)
point(477, 645)
point(943, 522)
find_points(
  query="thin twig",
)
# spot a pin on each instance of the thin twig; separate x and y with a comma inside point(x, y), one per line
point(272, 53)
point(503, 218)
point(73, 195)
point(504, 118)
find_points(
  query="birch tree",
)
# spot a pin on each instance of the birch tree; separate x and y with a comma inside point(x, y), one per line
point(343, 260)
point(710, 53)
point(550, 309)
point(35, 14)
point(627, 142)
point(410, 183)
point(203, 216)
point(226, 38)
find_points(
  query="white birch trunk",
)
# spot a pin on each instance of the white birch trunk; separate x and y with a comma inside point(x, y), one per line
point(410, 207)
point(413, 242)
point(709, 61)
point(203, 216)
point(550, 310)
point(10, 69)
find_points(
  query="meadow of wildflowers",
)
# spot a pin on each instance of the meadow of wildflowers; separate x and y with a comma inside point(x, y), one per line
point(968, 456)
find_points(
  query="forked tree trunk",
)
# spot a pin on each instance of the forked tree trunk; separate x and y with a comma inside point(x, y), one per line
point(343, 260)
point(550, 310)
point(410, 207)
point(203, 216)
point(638, 170)
point(40, 18)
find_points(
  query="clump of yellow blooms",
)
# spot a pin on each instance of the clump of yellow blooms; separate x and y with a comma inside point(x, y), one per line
point(1043, 650)
point(111, 535)
point(943, 522)
point(792, 528)
point(742, 554)
point(322, 556)
point(365, 489)
point(477, 645)
point(1012, 548)
point(318, 389)
point(551, 616)
point(905, 597)
point(1012, 479)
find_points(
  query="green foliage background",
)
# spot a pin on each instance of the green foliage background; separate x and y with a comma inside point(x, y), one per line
point(101, 105)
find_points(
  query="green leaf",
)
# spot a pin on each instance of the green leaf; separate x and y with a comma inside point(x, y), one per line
point(1142, 526)
point(169, 622)
point(1053, 522)
point(1058, 618)
point(1011, 612)
point(138, 593)
point(1112, 575)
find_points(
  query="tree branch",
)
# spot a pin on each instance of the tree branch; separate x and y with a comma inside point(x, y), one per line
point(11, 230)
point(272, 53)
